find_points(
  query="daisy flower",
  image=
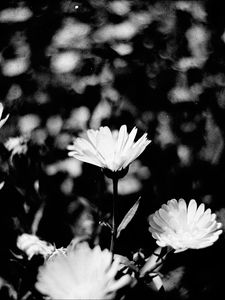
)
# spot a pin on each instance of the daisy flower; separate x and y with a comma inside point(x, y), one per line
point(109, 150)
point(32, 245)
point(183, 226)
point(83, 273)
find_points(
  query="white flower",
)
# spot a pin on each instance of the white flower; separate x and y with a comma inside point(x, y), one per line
point(83, 273)
point(17, 14)
point(2, 121)
point(183, 226)
point(111, 150)
point(32, 245)
point(16, 145)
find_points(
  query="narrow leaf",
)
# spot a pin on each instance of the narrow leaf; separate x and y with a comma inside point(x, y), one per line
point(37, 218)
point(128, 217)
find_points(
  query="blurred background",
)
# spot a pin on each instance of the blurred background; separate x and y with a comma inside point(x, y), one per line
point(66, 66)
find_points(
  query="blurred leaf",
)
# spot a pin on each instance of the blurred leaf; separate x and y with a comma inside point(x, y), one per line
point(26, 296)
point(11, 291)
point(128, 217)
point(37, 218)
point(2, 184)
point(172, 280)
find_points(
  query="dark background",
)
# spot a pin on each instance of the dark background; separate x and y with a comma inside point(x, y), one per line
point(66, 66)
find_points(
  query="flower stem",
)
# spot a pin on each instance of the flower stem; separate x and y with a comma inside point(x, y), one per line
point(114, 220)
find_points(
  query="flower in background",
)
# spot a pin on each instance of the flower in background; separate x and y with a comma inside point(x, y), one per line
point(2, 121)
point(17, 14)
point(183, 226)
point(32, 245)
point(17, 145)
point(83, 273)
point(109, 150)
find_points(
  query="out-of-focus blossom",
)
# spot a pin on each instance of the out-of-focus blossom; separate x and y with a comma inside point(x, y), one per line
point(83, 220)
point(16, 145)
point(2, 121)
point(39, 136)
point(83, 273)
point(214, 143)
point(110, 94)
point(185, 155)
point(62, 140)
point(78, 118)
point(18, 14)
point(133, 182)
point(81, 83)
point(183, 226)
point(164, 131)
point(123, 31)
point(102, 111)
point(141, 19)
point(28, 123)
point(181, 94)
point(122, 48)
point(183, 5)
point(54, 125)
point(69, 165)
point(15, 66)
point(84, 225)
point(72, 34)
point(186, 63)
point(32, 245)
point(66, 187)
point(128, 185)
point(65, 62)
point(106, 76)
point(119, 7)
point(197, 37)
point(14, 93)
point(41, 97)
point(195, 8)
point(110, 150)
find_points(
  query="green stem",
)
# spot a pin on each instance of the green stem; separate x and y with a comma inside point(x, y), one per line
point(114, 220)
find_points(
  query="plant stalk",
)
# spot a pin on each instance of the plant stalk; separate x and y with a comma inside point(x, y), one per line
point(114, 217)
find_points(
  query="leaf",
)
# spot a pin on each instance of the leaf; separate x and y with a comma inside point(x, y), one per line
point(128, 217)
point(2, 184)
point(172, 280)
point(37, 218)
point(11, 291)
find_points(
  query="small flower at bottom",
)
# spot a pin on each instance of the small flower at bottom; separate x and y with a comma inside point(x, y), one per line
point(109, 150)
point(183, 226)
point(32, 245)
point(83, 273)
